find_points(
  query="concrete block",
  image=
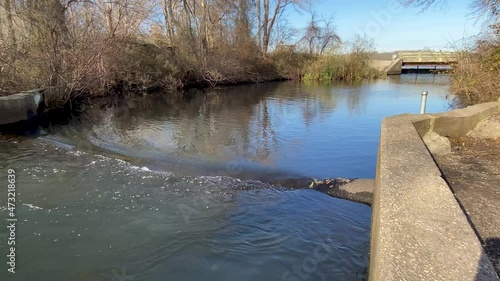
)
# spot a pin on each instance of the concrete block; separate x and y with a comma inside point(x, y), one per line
point(19, 107)
point(457, 123)
point(437, 144)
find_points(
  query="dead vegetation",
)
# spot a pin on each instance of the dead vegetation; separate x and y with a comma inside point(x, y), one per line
point(476, 77)
point(94, 47)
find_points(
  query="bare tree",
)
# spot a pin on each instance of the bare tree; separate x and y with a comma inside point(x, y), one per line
point(283, 34)
point(423, 4)
point(490, 8)
point(259, 23)
point(319, 35)
point(93, 45)
point(481, 8)
point(271, 11)
point(1, 24)
point(169, 18)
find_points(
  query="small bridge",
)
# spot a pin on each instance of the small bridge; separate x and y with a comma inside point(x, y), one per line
point(427, 58)
point(421, 60)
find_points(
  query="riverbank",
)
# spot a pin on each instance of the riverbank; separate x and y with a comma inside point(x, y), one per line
point(60, 102)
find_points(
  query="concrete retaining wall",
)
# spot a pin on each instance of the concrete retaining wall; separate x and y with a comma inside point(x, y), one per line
point(389, 67)
point(24, 106)
point(456, 123)
point(19, 107)
point(395, 67)
point(419, 231)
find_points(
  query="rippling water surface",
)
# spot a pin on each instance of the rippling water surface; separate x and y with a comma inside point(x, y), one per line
point(156, 188)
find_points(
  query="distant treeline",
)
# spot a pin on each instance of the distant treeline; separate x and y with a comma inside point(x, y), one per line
point(94, 47)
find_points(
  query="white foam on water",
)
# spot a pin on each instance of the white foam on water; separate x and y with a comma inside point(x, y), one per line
point(32, 207)
point(146, 169)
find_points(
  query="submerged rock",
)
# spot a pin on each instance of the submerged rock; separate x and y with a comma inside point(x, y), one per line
point(356, 190)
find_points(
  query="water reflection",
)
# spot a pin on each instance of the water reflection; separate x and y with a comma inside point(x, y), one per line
point(433, 79)
point(87, 216)
point(277, 129)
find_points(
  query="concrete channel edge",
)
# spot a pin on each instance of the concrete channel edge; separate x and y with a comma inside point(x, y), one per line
point(419, 231)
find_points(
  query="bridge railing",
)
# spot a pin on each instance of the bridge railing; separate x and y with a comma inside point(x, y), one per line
point(427, 56)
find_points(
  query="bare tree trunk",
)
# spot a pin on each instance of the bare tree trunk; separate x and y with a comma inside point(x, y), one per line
point(10, 22)
point(277, 9)
point(203, 28)
point(188, 14)
point(265, 30)
point(259, 24)
point(269, 20)
point(173, 20)
point(108, 16)
point(59, 39)
point(59, 11)
point(168, 17)
point(2, 24)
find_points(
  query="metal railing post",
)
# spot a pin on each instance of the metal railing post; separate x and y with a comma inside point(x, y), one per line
point(423, 102)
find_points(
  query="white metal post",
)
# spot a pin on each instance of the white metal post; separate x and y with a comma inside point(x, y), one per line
point(423, 102)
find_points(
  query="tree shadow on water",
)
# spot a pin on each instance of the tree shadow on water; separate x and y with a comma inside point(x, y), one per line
point(492, 254)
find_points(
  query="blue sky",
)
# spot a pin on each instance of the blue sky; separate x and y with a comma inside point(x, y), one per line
point(396, 28)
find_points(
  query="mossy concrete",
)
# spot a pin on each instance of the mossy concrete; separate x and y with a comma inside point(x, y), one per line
point(419, 231)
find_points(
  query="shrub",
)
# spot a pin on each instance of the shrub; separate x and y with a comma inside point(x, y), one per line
point(290, 63)
point(340, 67)
point(350, 63)
point(476, 77)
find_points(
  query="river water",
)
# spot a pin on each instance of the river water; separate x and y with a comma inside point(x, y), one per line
point(161, 188)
